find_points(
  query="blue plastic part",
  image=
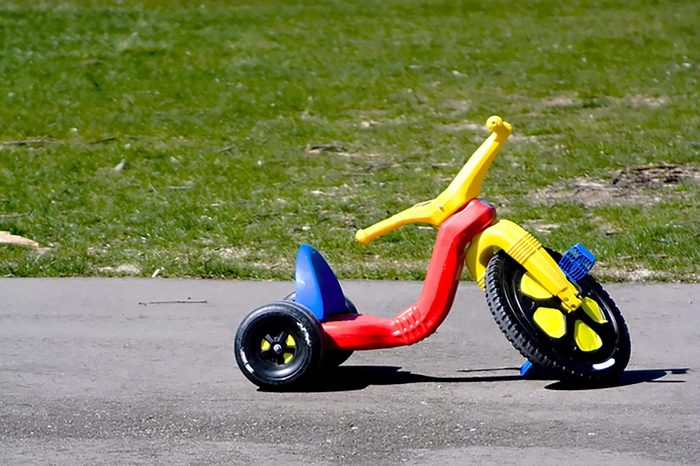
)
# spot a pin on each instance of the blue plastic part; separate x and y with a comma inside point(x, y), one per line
point(527, 366)
point(577, 262)
point(316, 286)
point(535, 372)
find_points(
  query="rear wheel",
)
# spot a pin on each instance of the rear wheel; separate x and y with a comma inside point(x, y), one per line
point(279, 345)
point(332, 357)
point(590, 345)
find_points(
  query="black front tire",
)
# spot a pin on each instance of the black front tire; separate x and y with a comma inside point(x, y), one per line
point(514, 313)
point(279, 345)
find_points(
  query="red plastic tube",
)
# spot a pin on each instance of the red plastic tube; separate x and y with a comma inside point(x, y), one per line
point(420, 320)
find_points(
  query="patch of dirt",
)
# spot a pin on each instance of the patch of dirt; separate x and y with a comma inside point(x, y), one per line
point(524, 138)
point(634, 101)
point(635, 276)
point(462, 126)
point(655, 176)
point(326, 149)
point(333, 191)
point(540, 227)
point(561, 101)
point(336, 149)
point(123, 269)
point(232, 253)
point(457, 107)
point(645, 185)
point(643, 101)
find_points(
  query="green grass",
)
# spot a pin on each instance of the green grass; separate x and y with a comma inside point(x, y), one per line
point(213, 106)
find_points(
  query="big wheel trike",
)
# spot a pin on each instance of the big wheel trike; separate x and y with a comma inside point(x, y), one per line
point(546, 304)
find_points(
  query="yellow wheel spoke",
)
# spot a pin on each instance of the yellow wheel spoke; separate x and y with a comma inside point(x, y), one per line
point(551, 321)
point(288, 357)
point(530, 287)
point(290, 342)
point(591, 308)
point(265, 345)
point(586, 339)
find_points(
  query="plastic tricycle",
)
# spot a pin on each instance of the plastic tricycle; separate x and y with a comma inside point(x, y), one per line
point(546, 304)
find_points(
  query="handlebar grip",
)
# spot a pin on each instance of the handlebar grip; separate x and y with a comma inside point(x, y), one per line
point(366, 235)
point(495, 124)
point(362, 237)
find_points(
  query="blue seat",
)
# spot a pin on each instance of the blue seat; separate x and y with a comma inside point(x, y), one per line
point(316, 286)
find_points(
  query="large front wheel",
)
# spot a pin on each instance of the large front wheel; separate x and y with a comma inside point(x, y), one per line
point(590, 345)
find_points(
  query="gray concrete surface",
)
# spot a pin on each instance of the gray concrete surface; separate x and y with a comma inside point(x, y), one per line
point(90, 376)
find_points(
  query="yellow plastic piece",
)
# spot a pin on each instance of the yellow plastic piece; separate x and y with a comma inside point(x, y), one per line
point(288, 357)
point(551, 321)
point(527, 251)
point(290, 342)
point(593, 310)
point(530, 287)
point(586, 338)
point(465, 187)
point(265, 345)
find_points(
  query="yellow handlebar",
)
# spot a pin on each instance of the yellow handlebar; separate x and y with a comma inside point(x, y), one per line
point(465, 187)
point(418, 213)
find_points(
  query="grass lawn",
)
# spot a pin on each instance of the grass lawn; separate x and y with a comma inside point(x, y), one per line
point(209, 139)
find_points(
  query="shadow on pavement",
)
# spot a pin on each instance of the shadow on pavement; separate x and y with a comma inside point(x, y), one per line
point(631, 377)
point(349, 378)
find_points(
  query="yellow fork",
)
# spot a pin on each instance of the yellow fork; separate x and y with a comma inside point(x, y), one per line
point(527, 251)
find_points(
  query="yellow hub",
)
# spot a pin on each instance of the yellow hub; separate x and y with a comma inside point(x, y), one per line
point(290, 343)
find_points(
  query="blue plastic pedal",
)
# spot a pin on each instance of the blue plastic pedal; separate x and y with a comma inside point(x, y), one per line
point(577, 262)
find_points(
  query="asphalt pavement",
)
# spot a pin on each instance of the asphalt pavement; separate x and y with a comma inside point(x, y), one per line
point(112, 371)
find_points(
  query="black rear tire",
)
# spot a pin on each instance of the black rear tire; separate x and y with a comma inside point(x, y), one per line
point(564, 356)
point(332, 357)
point(279, 345)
